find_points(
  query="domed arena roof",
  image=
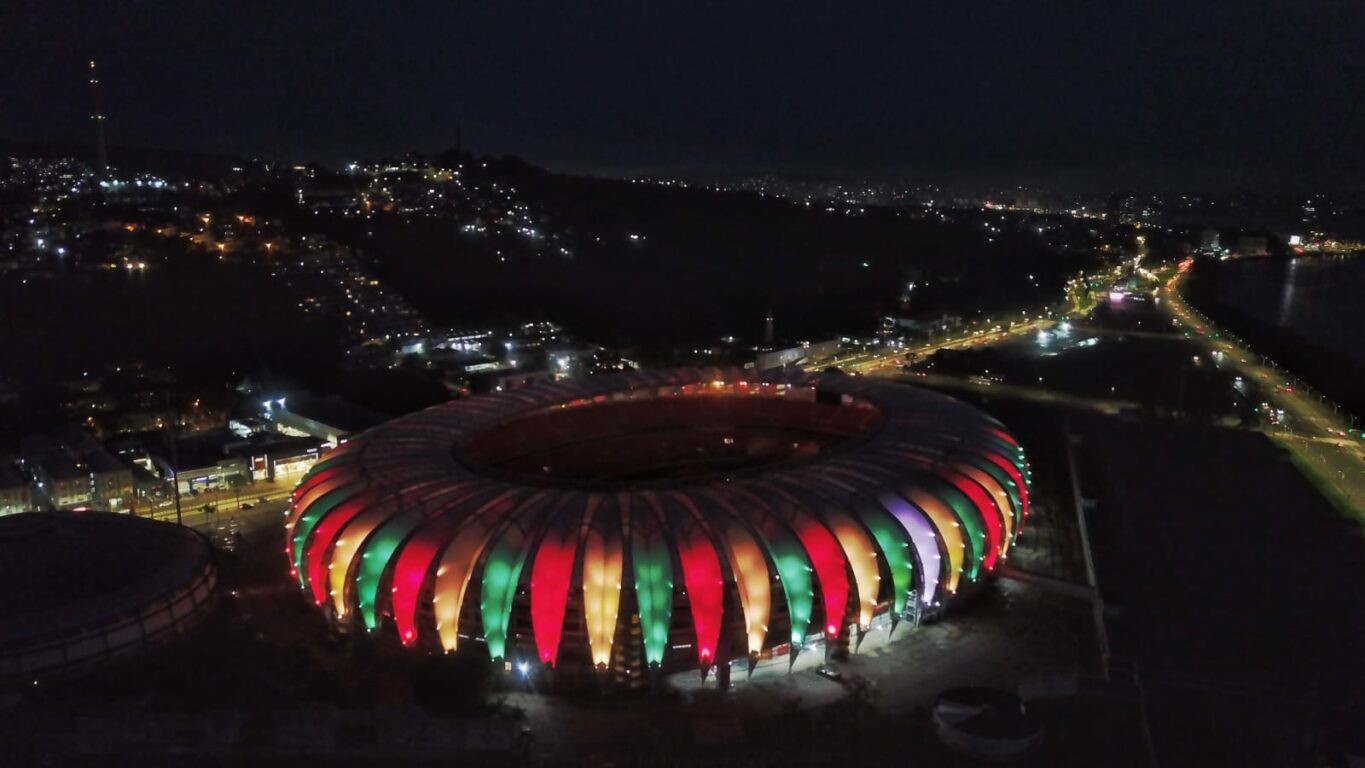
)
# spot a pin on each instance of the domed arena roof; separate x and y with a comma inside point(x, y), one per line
point(84, 586)
point(658, 518)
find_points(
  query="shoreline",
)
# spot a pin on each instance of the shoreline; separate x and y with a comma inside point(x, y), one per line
point(1336, 376)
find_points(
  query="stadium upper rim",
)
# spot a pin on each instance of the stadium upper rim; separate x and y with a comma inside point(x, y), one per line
point(508, 448)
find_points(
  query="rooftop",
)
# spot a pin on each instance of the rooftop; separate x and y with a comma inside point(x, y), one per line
point(59, 467)
point(335, 412)
point(65, 568)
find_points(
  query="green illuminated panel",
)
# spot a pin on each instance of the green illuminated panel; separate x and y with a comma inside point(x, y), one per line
point(1011, 453)
point(895, 546)
point(1016, 505)
point(968, 514)
point(374, 559)
point(653, 592)
point(501, 572)
point(795, 569)
point(310, 519)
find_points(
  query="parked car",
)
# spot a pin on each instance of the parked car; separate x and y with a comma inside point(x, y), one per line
point(830, 673)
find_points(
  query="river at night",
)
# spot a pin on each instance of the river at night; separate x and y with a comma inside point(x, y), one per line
point(1319, 298)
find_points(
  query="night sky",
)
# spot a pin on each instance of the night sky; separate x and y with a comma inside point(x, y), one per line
point(1186, 91)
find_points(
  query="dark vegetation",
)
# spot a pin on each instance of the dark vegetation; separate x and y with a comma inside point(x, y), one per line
point(708, 264)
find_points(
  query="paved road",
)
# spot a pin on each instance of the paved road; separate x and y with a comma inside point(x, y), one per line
point(227, 503)
point(1111, 406)
point(1080, 300)
point(869, 362)
point(1312, 430)
point(265, 514)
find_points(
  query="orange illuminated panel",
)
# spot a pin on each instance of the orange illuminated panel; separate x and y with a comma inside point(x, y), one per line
point(751, 579)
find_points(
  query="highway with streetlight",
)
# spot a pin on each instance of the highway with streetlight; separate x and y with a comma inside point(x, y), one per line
point(1331, 444)
point(1328, 445)
point(1080, 300)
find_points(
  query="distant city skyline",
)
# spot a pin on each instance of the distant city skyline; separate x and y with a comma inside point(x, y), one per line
point(1201, 96)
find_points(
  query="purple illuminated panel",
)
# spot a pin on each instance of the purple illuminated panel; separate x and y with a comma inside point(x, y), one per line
point(922, 534)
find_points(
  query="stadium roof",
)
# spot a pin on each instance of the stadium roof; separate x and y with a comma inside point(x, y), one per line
point(795, 492)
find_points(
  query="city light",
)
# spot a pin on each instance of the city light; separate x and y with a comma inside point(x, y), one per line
point(770, 497)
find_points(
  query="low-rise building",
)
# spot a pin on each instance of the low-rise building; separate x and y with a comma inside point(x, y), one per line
point(71, 468)
point(111, 481)
point(64, 484)
point(504, 379)
point(329, 419)
point(198, 464)
point(15, 495)
point(58, 481)
point(273, 456)
point(776, 358)
point(925, 324)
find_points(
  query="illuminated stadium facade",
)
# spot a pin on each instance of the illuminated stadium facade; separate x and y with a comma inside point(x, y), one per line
point(660, 520)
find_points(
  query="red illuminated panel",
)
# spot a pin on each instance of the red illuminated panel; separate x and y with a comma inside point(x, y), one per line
point(986, 506)
point(997, 495)
point(317, 491)
point(313, 481)
point(1003, 435)
point(701, 574)
point(830, 568)
point(551, 575)
point(1015, 475)
point(321, 540)
point(410, 572)
point(862, 558)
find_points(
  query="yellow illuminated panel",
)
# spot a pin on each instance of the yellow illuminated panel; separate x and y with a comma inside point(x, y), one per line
point(862, 558)
point(352, 537)
point(751, 577)
point(452, 578)
point(603, 561)
point(997, 494)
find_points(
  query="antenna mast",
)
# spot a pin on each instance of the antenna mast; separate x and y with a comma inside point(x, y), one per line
point(97, 116)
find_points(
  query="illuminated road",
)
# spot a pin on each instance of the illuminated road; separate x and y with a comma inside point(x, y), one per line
point(1313, 432)
point(871, 362)
point(1107, 406)
point(1080, 300)
point(270, 495)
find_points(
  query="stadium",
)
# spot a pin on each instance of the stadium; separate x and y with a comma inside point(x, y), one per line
point(624, 524)
point(82, 588)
